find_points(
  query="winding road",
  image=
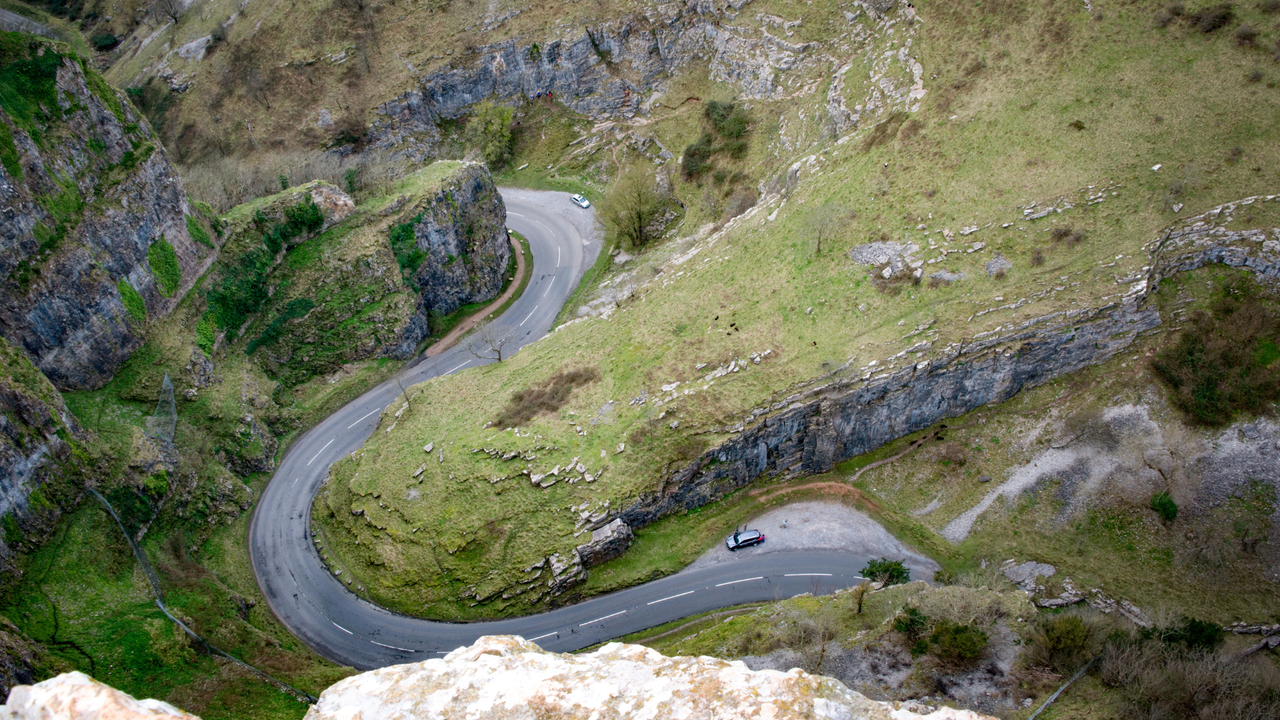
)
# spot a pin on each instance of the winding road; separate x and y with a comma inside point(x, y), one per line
point(349, 630)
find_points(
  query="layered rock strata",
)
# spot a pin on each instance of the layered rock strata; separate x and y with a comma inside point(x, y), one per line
point(85, 192)
point(844, 416)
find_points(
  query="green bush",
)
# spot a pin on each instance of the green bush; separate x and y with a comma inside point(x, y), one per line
point(489, 131)
point(240, 290)
point(889, 572)
point(28, 90)
point(206, 332)
point(1162, 502)
point(351, 179)
point(1226, 360)
point(697, 157)
point(405, 246)
point(104, 42)
point(163, 260)
point(957, 643)
point(9, 153)
point(1190, 633)
point(911, 622)
point(132, 300)
point(197, 232)
point(1062, 642)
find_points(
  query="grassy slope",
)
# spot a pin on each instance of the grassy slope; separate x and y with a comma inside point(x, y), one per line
point(1005, 83)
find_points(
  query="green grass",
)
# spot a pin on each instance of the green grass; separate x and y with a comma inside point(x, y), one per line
point(163, 260)
point(132, 300)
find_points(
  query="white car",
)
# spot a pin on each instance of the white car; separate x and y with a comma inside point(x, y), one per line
point(580, 201)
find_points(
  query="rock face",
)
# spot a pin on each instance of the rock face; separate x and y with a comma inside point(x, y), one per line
point(839, 417)
point(608, 70)
point(462, 230)
point(606, 543)
point(85, 192)
point(76, 696)
point(35, 427)
point(508, 677)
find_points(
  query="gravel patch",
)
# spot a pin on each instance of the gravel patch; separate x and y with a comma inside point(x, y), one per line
point(815, 525)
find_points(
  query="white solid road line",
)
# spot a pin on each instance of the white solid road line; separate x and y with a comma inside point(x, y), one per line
point(313, 459)
point(544, 636)
point(735, 582)
point(606, 617)
point(393, 647)
point(557, 257)
point(342, 628)
point(516, 214)
point(465, 363)
point(526, 319)
point(365, 416)
point(673, 597)
point(553, 282)
point(544, 227)
point(807, 575)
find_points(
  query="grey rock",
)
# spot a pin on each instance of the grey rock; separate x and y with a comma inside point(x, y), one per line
point(606, 543)
point(1024, 575)
point(996, 264)
point(846, 416)
point(462, 230)
point(60, 300)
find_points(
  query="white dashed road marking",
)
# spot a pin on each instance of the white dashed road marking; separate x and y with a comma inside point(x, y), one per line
point(313, 459)
point(342, 628)
point(531, 312)
point(365, 416)
point(465, 363)
point(807, 575)
point(606, 617)
point(673, 597)
point(544, 636)
point(735, 582)
point(393, 647)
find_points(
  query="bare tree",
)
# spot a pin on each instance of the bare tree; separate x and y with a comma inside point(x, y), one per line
point(489, 342)
point(409, 401)
point(172, 9)
point(632, 206)
point(825, 222)
point(810, 635)
point(860, 593)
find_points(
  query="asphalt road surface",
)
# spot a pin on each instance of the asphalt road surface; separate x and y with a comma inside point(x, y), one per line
point(333, 621)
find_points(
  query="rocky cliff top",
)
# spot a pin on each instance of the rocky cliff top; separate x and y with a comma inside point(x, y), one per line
point(509, 677)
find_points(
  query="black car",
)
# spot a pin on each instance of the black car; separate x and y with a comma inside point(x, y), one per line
point(744, 538)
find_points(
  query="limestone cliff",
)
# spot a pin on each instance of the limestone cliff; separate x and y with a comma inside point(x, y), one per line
point(461, 230)
point(97, 230)
point(36, 432)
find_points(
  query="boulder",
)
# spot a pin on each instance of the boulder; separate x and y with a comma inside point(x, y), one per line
point(76, 696)
point(502, 677)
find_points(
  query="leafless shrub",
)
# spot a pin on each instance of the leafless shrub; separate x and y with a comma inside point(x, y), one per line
point(1000, 274)
point(1037, 257)
point(1269, 6)
point(547, 397)
point(1246, 35)
point(1068, 234)
point(228, 181)
point(1066, 641)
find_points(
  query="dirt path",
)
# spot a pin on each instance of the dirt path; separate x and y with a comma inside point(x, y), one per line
point(465, 326)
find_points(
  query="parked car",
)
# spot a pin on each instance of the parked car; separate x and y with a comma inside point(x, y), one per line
point(580, 201)
point(744, 538)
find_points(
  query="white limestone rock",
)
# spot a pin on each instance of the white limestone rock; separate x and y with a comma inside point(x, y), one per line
point(76, 696)
point(501, 677)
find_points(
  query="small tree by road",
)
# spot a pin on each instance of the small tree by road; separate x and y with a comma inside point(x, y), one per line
point(490, 341)
point(632, 206)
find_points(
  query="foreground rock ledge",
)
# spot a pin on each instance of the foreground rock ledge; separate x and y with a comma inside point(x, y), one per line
point(501, 677)
point(509, 678)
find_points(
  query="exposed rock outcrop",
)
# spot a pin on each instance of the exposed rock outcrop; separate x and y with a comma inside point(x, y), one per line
point(606, 543)
point(95, 234)
point(35, 433)
point(508, 677)
point(76, 696)
point(461, 229)
point(856, 411)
